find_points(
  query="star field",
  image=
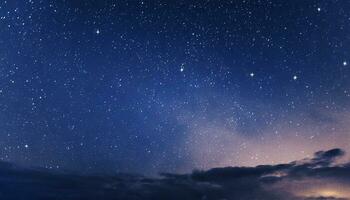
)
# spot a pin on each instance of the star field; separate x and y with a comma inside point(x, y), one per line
point(150, 86)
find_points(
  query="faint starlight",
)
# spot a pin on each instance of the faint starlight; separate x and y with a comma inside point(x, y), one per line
point(345, 63)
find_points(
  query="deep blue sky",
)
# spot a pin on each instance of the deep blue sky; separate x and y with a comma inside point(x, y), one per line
point(149, 86)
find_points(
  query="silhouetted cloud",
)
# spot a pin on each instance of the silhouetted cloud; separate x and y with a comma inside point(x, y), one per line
point(325, 158)
point(318, 178)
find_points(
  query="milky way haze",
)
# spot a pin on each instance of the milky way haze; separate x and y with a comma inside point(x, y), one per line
point(102, 86)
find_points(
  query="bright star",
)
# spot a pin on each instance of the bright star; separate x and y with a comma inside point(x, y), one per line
point(182, 67)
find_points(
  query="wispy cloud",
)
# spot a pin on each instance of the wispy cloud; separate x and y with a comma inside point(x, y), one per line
point(312, 178)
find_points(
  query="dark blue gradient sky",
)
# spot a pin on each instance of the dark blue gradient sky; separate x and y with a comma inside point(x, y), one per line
point(149, 86)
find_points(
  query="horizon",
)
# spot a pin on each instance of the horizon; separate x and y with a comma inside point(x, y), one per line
point(320, 177)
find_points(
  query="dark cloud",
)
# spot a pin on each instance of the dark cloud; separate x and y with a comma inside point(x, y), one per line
point(325, 158)
point(319, 176)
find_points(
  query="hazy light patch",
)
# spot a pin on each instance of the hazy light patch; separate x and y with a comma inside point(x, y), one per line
point(327, 192)
point(316, 188)
point(210, 142)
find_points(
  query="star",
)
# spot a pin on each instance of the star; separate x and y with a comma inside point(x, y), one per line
point(26, 146)
point(251, 74)
point(345, 63)
point(295, 77)
point(182, 67)
point(98, 31)
point(319, 9)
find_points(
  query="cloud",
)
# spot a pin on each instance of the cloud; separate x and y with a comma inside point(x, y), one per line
point(317, 178)
point(326, 158)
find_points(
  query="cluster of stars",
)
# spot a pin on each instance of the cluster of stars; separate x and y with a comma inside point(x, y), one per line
point(142, 86)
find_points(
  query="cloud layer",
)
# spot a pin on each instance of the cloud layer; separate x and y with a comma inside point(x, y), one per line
point(317, 178)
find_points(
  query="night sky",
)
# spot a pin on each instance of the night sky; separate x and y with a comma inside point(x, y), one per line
point(171, 86)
